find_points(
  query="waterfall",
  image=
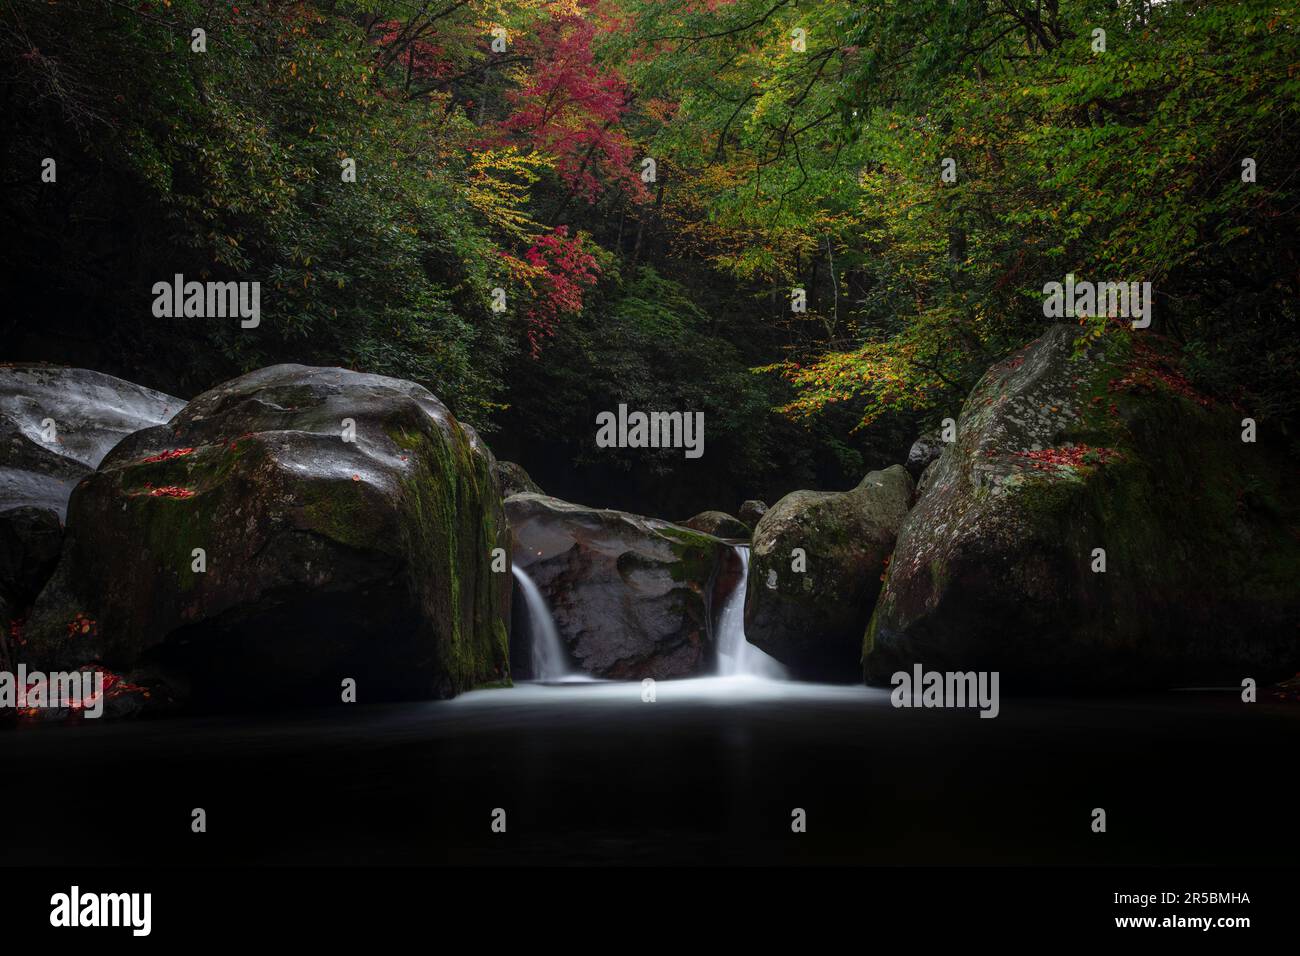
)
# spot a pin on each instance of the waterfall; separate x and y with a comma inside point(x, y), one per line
point(548, 657)
point(736, 656)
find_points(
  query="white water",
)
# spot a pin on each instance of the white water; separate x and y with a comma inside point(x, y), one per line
point(549, 660)
point(622, 697)
point(736, 656)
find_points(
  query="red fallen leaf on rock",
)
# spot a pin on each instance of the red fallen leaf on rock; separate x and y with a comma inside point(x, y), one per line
point(1049, 459)
point(167, 455)
point(1148, 370)
point(114, 686)
point(81, 624)
point(169, 491)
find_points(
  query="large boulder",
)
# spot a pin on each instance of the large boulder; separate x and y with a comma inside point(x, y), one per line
point(631, 596)
point(514, 480)
point(346, 522)
point(57, 424)
point(1059, 455)
point(717, 523)
point(808, 610)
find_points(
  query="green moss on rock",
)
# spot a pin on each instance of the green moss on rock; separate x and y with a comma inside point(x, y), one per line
point(1200, 565)
point(325, 558)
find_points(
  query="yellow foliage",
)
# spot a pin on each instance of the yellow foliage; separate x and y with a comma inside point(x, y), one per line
point(498, 188)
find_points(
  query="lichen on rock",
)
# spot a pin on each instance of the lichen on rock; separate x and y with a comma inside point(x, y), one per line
point(1059, 455)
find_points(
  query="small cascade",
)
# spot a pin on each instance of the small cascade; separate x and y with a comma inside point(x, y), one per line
point(548, 658)
point(736, 656)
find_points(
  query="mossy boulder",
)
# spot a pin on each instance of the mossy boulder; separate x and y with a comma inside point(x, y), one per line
point(631, 596)
point(514, 480)
point(815, 569)
point(346, 522)
point(1064, 450)
point(717, 523)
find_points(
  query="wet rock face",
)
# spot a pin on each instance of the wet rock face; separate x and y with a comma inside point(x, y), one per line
point(514, 480)
point(57, 424)
point(1057, 456)
point(346, 524)
point(631, 596)
point(924, 451)
point(717, 523)
point(815, 572)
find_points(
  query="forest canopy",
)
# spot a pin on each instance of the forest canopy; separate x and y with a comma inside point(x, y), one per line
point(645, 185)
